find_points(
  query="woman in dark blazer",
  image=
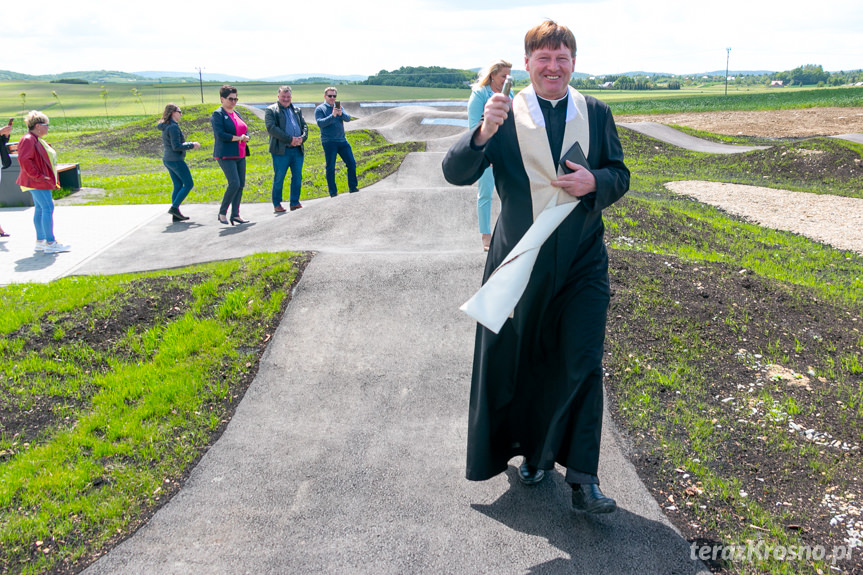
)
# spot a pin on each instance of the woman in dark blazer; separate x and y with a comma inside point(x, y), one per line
point(174, 158)
point(230, 150)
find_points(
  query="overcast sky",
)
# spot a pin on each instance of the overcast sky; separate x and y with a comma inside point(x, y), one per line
point(364, 36)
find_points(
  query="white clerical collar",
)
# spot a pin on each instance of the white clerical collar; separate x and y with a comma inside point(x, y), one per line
point(553, 103)
point(536, 112)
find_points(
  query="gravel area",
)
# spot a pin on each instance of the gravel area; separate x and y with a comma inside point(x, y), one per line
point(833, 220)
point(800, 123)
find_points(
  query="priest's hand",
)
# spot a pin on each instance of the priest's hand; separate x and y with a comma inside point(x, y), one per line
point(495, 112)
point(578, 183)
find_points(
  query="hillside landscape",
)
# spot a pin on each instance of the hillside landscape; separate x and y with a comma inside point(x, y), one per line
point(734, 351)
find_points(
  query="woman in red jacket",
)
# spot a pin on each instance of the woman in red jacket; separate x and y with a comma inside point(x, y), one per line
point(38, 176)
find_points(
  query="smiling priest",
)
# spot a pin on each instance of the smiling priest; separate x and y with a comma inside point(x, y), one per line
point(536, 390)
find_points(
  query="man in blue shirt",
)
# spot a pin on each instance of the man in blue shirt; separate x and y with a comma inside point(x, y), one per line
point(288, 131)
point(331, 121)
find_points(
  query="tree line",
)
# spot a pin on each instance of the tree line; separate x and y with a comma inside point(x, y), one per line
point(807, 75)
point(423, 77)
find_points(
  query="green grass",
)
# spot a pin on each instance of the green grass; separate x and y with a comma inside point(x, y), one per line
point(74, 100)
point(666, 391)
point(86, 99)
point(816, 165)
point(119, 426)
point(121, 413)
point(761, 99)
point(126, 161)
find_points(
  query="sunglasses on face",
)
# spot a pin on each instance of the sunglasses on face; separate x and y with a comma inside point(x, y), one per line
point(232, 98)
point(331, 95)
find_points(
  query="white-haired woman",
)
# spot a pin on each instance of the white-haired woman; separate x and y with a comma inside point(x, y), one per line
point(490, 81)
point(38, 176)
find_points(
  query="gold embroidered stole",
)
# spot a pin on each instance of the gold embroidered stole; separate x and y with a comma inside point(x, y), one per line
point(536, 151)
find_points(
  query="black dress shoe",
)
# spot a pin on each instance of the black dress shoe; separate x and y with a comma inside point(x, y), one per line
point(588, 497)
point(529, 475)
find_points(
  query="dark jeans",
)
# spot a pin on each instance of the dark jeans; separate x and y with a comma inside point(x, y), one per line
point(182, 178)
point(235, 173)
point(291, 160)
point(343, 149)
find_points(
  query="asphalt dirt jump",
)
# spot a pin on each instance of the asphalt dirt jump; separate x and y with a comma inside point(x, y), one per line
point(347, 453)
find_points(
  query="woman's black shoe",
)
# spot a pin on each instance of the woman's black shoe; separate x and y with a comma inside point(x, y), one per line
point(178, 217)
point(238, 220)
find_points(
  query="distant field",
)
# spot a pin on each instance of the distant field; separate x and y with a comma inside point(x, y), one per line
point(86, 99)
point(83, 107)
point(657, 102)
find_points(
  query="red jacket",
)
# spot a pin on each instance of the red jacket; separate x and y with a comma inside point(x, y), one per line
point(36, 169)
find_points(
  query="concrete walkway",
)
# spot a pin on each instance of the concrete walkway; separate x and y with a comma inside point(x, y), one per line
point(346, 454)
point(682, 140)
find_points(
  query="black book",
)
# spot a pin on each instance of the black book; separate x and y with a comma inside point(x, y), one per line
point(575, 155)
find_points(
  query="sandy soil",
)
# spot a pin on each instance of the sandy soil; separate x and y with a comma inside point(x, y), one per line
point(770, 124)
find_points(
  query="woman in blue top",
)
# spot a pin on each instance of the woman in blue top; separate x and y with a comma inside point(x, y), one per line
point(174, 158)
point(490, 81)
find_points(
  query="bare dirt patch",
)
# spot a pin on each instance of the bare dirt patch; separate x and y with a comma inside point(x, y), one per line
point(802, 123)
point(830, 219)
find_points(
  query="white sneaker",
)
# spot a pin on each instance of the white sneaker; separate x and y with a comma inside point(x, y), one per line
point(56, 248)
point(40, 246)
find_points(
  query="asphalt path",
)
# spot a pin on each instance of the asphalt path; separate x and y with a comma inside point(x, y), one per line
point(346, 454)
point(681, 140)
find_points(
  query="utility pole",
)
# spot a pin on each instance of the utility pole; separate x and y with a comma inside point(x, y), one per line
point(201, 83)
point(727, 57)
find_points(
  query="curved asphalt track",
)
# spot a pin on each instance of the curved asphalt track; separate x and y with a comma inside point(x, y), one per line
point(346, 454)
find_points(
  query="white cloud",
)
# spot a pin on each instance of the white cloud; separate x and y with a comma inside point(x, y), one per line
point(342, 37)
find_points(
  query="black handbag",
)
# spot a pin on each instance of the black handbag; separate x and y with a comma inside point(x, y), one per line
point(4, 152)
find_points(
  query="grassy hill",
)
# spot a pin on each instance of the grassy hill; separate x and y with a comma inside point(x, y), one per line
point(127, 161)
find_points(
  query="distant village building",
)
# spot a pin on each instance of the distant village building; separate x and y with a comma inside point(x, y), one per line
point(779, 83)
point(607, 85)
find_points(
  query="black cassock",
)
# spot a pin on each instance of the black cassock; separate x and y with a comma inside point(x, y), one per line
point(537, 384)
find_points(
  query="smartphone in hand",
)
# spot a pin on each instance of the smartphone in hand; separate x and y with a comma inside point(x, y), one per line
point(338, 105)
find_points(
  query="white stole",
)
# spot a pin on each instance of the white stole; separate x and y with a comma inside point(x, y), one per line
point(496, 299)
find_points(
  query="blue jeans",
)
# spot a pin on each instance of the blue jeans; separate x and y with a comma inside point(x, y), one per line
point(235, 173)
point(291, 160)
point(182, 178)
point(483, 201)
point(43, 217)
point(344, 150)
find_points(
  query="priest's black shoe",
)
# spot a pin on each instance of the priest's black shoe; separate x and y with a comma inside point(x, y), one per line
point(588, 497)
point(529, 475)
